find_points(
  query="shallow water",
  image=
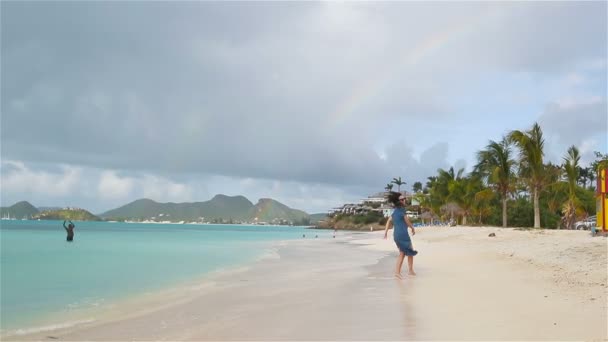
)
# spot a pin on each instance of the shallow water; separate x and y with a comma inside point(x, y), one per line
point(43, 276)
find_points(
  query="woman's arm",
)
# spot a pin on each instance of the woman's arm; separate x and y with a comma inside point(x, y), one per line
point(409, 224)
point(64, 225)
point(388, 224)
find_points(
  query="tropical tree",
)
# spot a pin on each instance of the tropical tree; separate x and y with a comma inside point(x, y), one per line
point(462, 191)
point(398, 182)
point(434, 202)
point(482, 206)
point(388, 187)
point(600, 159)
point(498, 170)
point(592, 177)
point(429, 184)
point(531, 151)
point(443, 190)
point(583, 175)
point(417, 187)
point(445, 180)
point(573, 206)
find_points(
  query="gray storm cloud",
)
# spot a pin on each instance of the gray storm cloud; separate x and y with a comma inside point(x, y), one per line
point(290, 91)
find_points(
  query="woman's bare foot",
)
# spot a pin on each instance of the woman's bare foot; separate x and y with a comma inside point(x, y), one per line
point(412, 273)
point(398, 276)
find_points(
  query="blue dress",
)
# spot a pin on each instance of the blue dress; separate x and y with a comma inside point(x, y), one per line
point(400, 234)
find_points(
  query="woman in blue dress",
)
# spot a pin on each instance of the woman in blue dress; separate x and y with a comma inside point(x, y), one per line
point(401, 222)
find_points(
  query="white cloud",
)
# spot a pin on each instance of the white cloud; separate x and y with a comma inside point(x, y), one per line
point(18, 178)
point(579, 121)
point(111, 186)
point(573, 120)
point(574, 79)
point(164, 190)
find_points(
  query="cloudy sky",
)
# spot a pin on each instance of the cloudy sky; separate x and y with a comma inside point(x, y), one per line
point(311, 103)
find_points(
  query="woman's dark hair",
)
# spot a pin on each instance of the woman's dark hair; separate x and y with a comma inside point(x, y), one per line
point(393, 198)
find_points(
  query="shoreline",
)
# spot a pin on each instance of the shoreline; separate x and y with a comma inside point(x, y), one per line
point(518, 285)
point(126, 305)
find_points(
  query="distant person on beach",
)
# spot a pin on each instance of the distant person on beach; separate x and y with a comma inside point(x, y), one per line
point(401, 222)
point(70, 230)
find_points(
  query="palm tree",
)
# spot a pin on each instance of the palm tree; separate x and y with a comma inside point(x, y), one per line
point(572, 207)
point(531, 144)
point(442, 190)
point(482, 206)
point(417, 187)
point(445, 179)
point(592, 173)
point(399, 183)
point(388, 187)
point(434, 200)
point(583, 175)
point(497, 167)
point(429, 184)
point(463, 191)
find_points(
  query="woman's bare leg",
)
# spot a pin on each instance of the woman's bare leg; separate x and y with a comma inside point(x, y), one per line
point(399, 264)
point(410, 265)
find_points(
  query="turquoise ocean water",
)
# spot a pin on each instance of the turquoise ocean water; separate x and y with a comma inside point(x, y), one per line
point(42, 276)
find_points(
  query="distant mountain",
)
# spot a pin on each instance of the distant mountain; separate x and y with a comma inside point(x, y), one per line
point(19, 210)
point(74, 214)
point(220, 207)
point(267, 210)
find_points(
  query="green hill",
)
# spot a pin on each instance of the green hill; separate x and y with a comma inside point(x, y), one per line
point(73, 214)
point(19, 210)
point(227, 207)
point(315, 218)
point(269, 210)
point(221, 207)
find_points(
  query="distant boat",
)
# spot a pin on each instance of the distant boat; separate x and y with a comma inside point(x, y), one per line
point(8, 217)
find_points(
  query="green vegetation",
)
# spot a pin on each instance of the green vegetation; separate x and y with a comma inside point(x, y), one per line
point(67, 214)
point(523, 192)
point(354, 222)
point(531, 168)
point(373, 217)
point(267, 210)
point(497, 168)
point(315, 218)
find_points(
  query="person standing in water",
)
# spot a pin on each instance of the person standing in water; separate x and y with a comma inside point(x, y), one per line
point(70, 230)
point(401, 222)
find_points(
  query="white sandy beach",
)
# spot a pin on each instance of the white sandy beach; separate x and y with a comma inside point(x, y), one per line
point(519, 285)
